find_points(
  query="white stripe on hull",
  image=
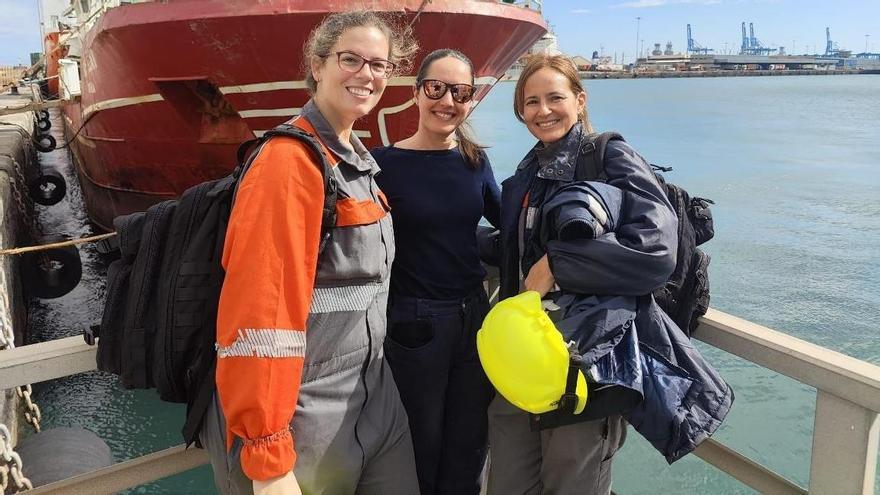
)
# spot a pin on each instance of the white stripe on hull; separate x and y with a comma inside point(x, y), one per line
point(261, 88)
point(270, 112)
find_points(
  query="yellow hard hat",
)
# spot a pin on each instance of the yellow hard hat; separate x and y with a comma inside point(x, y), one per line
point(524, 355)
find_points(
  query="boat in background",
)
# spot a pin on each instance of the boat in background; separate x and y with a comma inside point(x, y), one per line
point(159, 94)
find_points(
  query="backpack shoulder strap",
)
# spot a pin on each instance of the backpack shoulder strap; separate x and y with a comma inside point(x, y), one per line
point(591, 158)
point(204, 396)
point(302, 130)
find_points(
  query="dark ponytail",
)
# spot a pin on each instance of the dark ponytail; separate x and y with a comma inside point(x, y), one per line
point(471, 150)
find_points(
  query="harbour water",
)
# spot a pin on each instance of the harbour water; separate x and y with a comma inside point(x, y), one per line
point(791, 165)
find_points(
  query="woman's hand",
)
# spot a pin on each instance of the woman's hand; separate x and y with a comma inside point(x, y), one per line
point(540, 278)
point(282, 485)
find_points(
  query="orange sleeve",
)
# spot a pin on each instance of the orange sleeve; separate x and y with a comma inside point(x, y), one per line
point(270, 257)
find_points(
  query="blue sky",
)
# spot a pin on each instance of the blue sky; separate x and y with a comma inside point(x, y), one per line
point(583, 26)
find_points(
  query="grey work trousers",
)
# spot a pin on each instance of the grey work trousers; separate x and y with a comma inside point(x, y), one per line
point(350, 430)
point(391, 471)
point(568, 460)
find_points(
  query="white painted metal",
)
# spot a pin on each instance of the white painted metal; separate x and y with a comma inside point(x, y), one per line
point(849, 378)
point(44, 361)
point(68, 72)
point(845, 440)
point(844, 443)
point(128, 474)
point(746, 470)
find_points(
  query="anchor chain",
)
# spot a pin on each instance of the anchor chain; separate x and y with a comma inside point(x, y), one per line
point(11, 466)
point(32, 413)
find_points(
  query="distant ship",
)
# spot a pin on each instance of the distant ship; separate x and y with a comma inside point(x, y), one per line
point(161, 93)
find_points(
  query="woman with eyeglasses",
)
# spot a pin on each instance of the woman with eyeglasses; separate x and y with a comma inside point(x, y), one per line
point(305, 401)
point(439, 184)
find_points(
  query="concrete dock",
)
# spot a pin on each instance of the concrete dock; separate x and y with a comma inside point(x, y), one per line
point(17, 157)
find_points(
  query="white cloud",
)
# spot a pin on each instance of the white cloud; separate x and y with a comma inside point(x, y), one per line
point(580, 11)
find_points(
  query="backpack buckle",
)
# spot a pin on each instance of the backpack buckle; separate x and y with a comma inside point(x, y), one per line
point(568, 403)
point(588, 147)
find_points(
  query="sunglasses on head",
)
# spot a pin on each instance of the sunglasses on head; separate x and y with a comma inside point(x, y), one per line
point(434, 89)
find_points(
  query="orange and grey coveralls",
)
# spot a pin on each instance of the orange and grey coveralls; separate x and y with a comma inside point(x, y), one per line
point(302, 380)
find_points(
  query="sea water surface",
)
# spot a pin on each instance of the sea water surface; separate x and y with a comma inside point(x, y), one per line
point(792, 165)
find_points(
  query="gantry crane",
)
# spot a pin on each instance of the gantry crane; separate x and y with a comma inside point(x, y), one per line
point(693, 46)
point(751, 45)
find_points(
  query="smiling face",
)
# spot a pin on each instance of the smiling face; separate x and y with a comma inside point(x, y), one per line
point(550, 107)
point(441, 117)
point(347, 96)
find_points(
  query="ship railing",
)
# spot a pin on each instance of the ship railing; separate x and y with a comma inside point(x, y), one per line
point(529, 4)
point(88, 11)
point(844, 443)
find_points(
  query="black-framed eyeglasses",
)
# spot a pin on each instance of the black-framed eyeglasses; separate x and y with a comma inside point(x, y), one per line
point(352, 62)
point(434, 89)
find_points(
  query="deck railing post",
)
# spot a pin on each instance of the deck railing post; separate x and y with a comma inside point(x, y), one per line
point(845, 438)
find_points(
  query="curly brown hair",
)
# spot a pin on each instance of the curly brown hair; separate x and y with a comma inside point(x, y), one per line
point(402, 45)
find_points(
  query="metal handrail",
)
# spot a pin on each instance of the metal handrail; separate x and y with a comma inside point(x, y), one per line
point(528, 4)
point(844, 441)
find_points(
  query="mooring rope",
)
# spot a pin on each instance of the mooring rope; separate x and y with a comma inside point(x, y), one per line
point(46, 247)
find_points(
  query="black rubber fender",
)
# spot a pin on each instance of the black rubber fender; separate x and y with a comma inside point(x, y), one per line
point(51, 273)
point(43, 114)
point(45, 143)
point(44, 125)
point(60, 453)
point(49, 188)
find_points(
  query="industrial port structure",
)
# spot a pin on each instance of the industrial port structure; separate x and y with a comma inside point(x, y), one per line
point(755, 56)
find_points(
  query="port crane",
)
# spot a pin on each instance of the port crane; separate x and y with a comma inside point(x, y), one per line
point(694, 47)
point(751, 45)
point(830, 49)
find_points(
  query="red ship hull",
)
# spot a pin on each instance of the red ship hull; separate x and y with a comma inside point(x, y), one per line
point(169, 89)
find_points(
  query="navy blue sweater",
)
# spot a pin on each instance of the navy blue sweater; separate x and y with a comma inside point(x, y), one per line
point(436, 200)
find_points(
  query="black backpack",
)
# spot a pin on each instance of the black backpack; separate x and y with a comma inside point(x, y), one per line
point(158, 327)
point(685, 297)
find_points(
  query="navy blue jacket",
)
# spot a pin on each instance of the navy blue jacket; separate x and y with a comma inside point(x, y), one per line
point(648, 367)
point(633, 260)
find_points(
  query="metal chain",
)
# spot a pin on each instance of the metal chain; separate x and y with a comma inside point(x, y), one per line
point(18, 184)
point(11, 466)
point(32, 414)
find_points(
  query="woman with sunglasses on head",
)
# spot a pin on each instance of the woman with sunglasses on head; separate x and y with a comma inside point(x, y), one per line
point(439, 184)
point(305, 401)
